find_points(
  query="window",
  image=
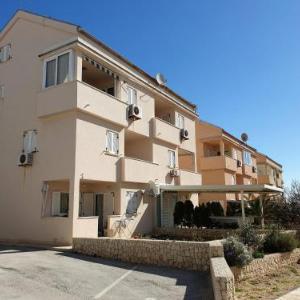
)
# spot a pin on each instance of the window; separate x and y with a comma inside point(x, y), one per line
point(172, 160)
point(30, 141)
point(112, 142)
point(232, 179)
point(247, 158)
point(60, 204)
point(5, 53)
point(180, 121)
point(132, 202)
point(132, 95)
point(234, 154)
point(57, 70)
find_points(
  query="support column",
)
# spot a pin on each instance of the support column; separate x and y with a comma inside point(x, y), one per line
point(262, 219)
point(243, 207)
point(222, 148)
point(74, 199)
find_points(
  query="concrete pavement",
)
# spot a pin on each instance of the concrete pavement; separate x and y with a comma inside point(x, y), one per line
point(31, 273)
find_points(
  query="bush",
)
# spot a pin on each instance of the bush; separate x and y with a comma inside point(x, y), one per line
point(188, 213)
point(258, 254)
point(279, 242)
point(178, 213)
point(249, 237)
point(216, 209)
point(236, 253)
point(201, 216)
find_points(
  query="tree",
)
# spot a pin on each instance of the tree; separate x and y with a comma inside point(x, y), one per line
point(188, 213)
point(178, 213)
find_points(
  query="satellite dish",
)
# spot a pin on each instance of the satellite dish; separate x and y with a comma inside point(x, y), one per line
point(244, 137)
point(160, 78)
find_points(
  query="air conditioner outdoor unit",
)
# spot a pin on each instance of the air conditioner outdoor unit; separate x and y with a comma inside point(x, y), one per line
point(25, 159)
point(239, 163)
point(174, 173)
point(134, 112)
point(254, 169)
point(184, 134)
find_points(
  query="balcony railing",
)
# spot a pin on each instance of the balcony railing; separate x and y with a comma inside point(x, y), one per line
point(165, 131)
point(137, 170)
point(78, 95)
point(219, 162)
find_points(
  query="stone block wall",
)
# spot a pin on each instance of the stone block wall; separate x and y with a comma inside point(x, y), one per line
point(262, 266)
point(178, 254)
point(222, 279)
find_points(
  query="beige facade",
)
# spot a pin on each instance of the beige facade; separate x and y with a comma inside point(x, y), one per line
point(83, 133)
point(269, 171)
point(223, 159)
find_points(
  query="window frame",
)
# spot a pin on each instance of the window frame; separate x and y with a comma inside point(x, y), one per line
point(109, 131)
point(9, 56)
point(247, 158)
point(60, 214)
point(179, 115)
point(55, 57)
point(130, 88)
point(170, 160)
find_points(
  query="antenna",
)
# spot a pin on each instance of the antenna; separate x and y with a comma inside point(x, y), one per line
point(160, 78)
point(244, 137)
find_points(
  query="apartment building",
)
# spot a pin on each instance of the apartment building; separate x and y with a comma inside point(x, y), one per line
point(85, 137)
point(223, 159)
point(269, 171)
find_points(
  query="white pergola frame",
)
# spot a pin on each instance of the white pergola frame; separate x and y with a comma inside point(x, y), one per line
point(262, 189)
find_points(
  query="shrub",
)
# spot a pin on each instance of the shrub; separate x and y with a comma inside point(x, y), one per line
point(178, 213)
point(258, 254)
point(188, 213)
point(249, 237)
point(201, 216)
point(236, 253)
point(279, 242)
point(216, 209)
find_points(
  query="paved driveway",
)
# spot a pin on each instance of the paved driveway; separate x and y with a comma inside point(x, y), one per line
point(29, 273)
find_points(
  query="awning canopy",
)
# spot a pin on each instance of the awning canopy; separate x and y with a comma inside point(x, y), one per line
point(239, 188)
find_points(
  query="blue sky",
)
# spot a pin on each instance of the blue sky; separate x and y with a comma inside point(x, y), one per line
point(239, 61)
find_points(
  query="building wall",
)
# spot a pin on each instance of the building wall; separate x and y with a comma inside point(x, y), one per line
point(20, 188)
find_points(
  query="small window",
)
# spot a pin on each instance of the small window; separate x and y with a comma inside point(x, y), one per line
point(112, 142)
point(172, 159)
point(132, 202)
point(5, 53)
point(247, 158)
point(180, 121)
point(60, 204)
point(132, 95)
point(57, 70)
point(30, 141)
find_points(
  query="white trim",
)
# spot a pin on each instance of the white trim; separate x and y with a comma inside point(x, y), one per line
point(55, 57)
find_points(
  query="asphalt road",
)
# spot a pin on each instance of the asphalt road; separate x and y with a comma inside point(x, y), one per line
point(31, 273)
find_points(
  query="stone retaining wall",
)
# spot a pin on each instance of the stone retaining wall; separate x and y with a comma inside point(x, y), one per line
point(178, 254)
point(199, 234)
point(262, 266)
point(222, 279)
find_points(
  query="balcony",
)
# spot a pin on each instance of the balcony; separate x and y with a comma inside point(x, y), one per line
point(165, 131)
point(248, 171)
point(137, 170)
point(78, 95)
point(190, 178)
point(218, 162)
point(266, 179)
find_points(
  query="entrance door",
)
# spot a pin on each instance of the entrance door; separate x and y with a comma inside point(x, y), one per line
point(99, 213)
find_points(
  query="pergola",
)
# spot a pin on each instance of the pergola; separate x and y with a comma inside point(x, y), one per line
point(242, 189)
